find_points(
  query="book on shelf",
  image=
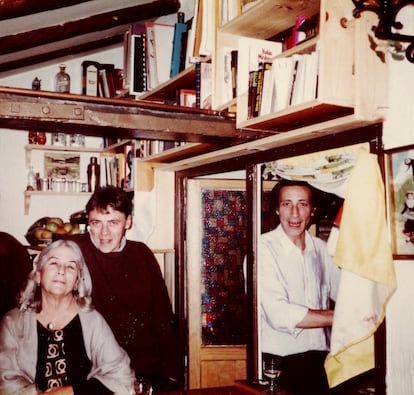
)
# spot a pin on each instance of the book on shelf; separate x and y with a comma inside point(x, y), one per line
point(107, 80)
point(282, 79)
point(163, 36)
point(253, 78)
point(311, 78)
point(204, 29)
point(204, 84)
point(186, 97)
point(293, 81)
point(304, 84)
point(268, 99)
point(138, 59)
point(114, 169)
point(259, 92)
point(152, 79)
point(129, 154)
point(226, 77)
point(228, 10)
point(233, 66)
point(108, 141)
point(98, 79)
point(188, 61)
point(127, 59)
point(298, 77)
point(90, 78)
point(146, 147)
point(179, 42)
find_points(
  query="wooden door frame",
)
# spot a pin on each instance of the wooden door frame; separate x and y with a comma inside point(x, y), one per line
point(370, 133)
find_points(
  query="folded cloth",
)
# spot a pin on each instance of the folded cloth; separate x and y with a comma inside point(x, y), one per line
point(368, 280)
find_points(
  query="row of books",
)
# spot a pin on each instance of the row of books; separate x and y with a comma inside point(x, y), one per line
point(283, 82)
point(154, 53)
point(117, 168)
point(101, 79)
point(201, 96)
point(152, 147)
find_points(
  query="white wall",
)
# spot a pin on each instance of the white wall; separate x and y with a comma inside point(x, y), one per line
point(398, 132)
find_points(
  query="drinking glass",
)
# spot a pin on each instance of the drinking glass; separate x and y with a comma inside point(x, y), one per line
point(272, 370)
point(142, 386)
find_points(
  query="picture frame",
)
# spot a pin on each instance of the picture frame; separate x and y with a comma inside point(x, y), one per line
point(62, 165)
point(400, 200)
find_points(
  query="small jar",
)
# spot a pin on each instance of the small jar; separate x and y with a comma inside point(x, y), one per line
point(59, 139)
point(62, 80)
point(32, 138)
point(41, 138)
point(77, 140)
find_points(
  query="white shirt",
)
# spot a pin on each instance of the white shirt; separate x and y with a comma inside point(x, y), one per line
point(290, 283)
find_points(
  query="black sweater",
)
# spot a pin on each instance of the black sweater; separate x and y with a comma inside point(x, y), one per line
point(130, 292)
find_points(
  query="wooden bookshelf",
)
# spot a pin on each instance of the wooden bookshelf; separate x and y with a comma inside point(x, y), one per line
point(350, 78)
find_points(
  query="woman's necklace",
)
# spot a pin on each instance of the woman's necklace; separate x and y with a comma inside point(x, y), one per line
point(58, 320)
point(49, 326)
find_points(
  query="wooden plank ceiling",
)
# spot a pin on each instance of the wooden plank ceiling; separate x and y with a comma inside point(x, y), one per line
point(34, 31)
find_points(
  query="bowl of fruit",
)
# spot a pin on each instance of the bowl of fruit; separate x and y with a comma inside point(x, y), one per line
point(47, 229)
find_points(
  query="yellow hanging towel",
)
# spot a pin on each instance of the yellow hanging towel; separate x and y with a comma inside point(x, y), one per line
point(367, 282)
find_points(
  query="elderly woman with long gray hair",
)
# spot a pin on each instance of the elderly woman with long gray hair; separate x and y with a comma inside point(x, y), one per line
point(56, 342)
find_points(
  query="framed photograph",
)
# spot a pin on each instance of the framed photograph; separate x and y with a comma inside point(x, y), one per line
point(62, 166)
point(400, 198)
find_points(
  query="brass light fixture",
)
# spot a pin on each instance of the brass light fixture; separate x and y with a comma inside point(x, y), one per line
point(388, 25)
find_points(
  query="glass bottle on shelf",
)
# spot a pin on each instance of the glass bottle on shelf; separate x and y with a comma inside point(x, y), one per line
point(34, 137)
point(62, 80)
point(31, 180)
point(94, 171)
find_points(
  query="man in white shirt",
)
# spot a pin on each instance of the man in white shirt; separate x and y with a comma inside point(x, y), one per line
point(298, 282)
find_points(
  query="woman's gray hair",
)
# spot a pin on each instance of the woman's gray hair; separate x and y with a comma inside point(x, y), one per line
point(31, 295)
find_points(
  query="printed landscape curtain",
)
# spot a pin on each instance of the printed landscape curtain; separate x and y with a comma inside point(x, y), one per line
point(362, 251)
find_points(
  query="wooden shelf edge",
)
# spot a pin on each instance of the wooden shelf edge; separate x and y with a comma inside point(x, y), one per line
point(54, 193)
point(182, 152)
point(29, 194)
point(278, 18)
point(32, 147)
point(293, 117)
point(185, 79)
point(275, 141)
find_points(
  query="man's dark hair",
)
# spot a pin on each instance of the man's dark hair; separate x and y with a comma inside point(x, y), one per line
point(110, 196)
point(275, 194)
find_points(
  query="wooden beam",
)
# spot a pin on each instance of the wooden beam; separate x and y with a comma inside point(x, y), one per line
point(18, 8)
point(25, 109)
point(60, 53)
point(94, 23)
point(260, 150)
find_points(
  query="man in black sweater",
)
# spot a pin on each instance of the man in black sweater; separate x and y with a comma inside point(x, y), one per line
point(129, 290)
